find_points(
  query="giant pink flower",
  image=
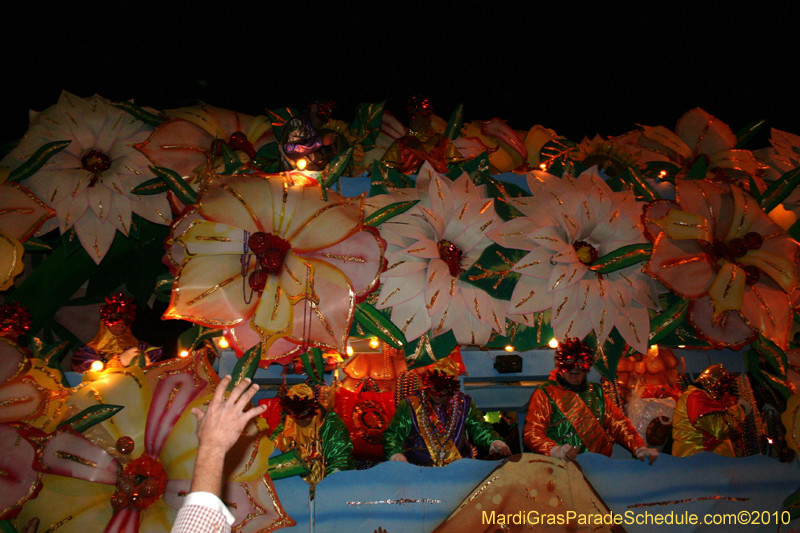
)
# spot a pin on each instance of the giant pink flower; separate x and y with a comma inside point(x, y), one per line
point(717, 247)
point(130, 472)
point(266, 258)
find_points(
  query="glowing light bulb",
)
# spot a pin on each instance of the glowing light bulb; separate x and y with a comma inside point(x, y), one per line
point(223, 343)
point(662, 173)
point(374, 343)
point(509, 348)
point(349, 350)
point(302, 163)
point(553, 343)
point(543, 166)
point(97, 366)
point(681, 346)
point(184, 353)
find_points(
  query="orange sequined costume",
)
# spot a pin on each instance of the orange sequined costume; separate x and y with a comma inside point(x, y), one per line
point(701, 423)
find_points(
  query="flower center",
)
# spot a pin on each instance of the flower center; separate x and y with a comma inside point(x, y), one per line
point(452, 255)
point(270, 253)
point(733, 250)
point(95, 162)
point(587, 254)
point(140, 485)
point(238, 141)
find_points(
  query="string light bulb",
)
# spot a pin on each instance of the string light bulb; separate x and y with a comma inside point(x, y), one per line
point(97, 366)
point(374, 343)
point(184, 353)
point(349, 350)
point(553, 343)
point(509, 348)
point(302, 163)
point(223, 343)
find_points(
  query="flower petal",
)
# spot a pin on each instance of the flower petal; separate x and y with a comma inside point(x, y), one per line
point(82, 505)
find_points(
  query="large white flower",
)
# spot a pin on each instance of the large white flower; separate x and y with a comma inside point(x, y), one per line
point(569, 223)
point(89, 183)
point(429, 247)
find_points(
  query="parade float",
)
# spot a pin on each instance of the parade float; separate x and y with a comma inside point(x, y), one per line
point(296, 246)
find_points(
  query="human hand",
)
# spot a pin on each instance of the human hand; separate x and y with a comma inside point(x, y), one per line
point(127, 356)
point(33, 525)
point(647, 453)
point(398, 457)
point(566, 452)
point(222, 423)
point(500, 447)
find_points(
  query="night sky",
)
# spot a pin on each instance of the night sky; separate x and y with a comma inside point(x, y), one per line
point(578, 71)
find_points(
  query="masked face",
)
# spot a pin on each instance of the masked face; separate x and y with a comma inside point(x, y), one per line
point(575, 376)
point(117, 328)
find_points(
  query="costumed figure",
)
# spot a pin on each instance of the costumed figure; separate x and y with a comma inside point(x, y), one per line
point(114, 344)
point(305, 146)
point(421, 143)
point(319, 435)
point(569, 415)
point(707, 415)
point(439, 424)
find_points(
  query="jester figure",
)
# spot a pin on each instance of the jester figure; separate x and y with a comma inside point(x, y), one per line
point(439, 424)
point(114, 344)
point(568, 415)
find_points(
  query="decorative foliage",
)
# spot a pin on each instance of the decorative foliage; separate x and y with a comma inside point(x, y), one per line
point(568, 224)
point(265, 257)
point(88, 182)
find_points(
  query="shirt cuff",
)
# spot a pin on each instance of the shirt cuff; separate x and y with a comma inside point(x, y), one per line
point(207, 499)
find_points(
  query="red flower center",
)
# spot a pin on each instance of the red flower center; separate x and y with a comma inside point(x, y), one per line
point(587, 254)
point(733, 250)
point(95, 162)
point(270, 253)
point(238, 141)
point(452, 255)
point(141, 483)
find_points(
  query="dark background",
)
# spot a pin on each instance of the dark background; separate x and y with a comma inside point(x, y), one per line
point(578, 70)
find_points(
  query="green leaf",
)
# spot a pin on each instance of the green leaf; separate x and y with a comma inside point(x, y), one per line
point(387, 213)
point(91, 416)
point(780, 190)
point(70, 242)
point(754, 192)
point(773, 354)
point(6, 527)
point(367, 123)
point(182, 190)
point(501, 192)
point(767, 379)
point(747, 133)
point(36, 161)
point(385, 178)
point(141, 114)
point(792, 504)
point(336, 168)
point(523, 337)
point(194, 336)
point(425, 350)
point(50, 287)
point(641, 187)
point(608, 355)
point(492, 271)
point(35, 245)
point(153, 186)
point(246, 366)
point(473, 168)
point(622, 257)
point(268, 158)
point(698, 170)
point(454, 124)
point(667, 321)
point(380, 325)
point(794, 231)
point(230, 160)
point(164, 282)
point(286, 465)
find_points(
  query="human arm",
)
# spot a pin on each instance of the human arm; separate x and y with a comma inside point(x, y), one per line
point(482, 434)
point(218, 429)
point(536, 423)
point(397, 432)
point(337, 448)
point(621, 429)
